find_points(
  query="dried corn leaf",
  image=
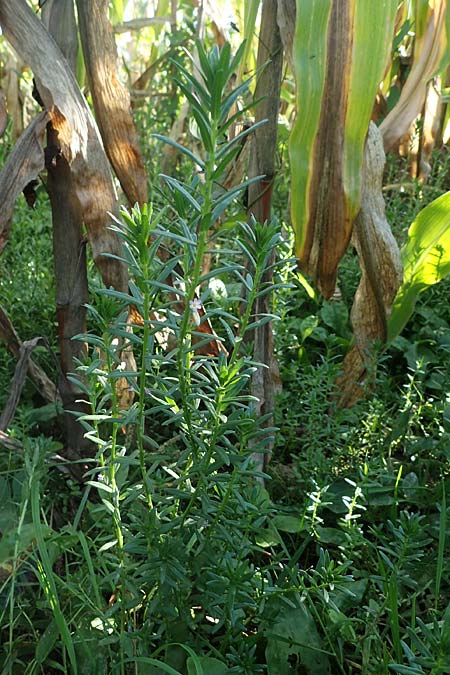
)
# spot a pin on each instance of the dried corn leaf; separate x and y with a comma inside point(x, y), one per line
point(23, 164)
point(78, 134)
point(337, 78)
point(431, 55)
point(381, 268)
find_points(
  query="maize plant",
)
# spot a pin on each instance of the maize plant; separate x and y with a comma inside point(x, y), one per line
point(341, 55)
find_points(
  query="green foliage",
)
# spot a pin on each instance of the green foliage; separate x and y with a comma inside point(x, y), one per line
point(425, 259)
point(172, 558)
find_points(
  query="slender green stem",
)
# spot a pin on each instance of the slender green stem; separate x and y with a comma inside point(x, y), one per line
point(142, 377)
point(116, 497)
point(185, 342)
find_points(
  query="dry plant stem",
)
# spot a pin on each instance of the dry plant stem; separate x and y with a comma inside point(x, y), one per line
point(9, 336)
point(111, 99)
point(3, 114)
point(69, 246)
point(379, 259)
point(78, 134)
point(266, 381)
point(432, 127)
point(13, 95)
point(19, 380)
point(286, 16)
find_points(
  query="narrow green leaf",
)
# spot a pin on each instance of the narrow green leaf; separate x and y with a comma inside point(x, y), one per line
point(182, 149)
point(46, 577)
point(181, 189)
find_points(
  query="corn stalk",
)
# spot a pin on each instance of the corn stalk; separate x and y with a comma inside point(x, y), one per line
point(334, 163)
point(337, 80)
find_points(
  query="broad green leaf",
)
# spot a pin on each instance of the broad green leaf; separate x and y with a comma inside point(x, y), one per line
point(248, 61)
point(209, 666)
point(337, 79)
point(294, 639)
point(291, 524)
point(426, 260)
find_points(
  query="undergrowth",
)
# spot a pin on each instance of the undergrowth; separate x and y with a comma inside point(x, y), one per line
point(171, 557)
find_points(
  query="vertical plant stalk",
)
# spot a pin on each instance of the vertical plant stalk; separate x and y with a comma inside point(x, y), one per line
point(112, 105)
point(337, 79)
point(112, 466)
point(266, 381)
point(379, 260)
point(185, 351)
point(433, 120)
point(12, 91)
point(78, 134)
point(145, 260)
point(111, 99)
point(69, 249)
point(115, 495)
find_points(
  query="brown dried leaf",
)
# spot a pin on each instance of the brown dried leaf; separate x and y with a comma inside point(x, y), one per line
point(286, 17)
point(22, 166)
point(111, 99)
point(379, 259)
point(427, 57)
point(78, 134)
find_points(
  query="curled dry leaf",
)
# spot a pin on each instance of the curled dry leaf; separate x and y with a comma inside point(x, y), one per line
point(78, 134)
point(429, 52)
point(22, 166)
point(381, 276)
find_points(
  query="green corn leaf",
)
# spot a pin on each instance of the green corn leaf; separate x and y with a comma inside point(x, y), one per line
point(426, 260)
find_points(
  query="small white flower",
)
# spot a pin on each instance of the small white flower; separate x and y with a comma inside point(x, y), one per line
point(195, 304)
